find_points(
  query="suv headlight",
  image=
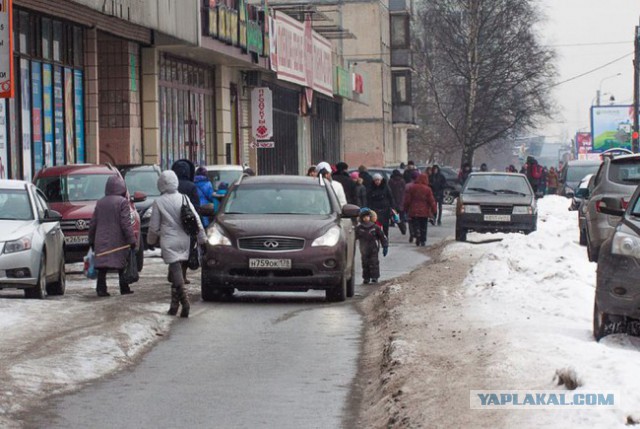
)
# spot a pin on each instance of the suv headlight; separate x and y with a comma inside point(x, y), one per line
point(18, 245)
point(522, 210)
point(471, 208)
point(147, 213)
point(626, 245)
point(217, 238)
point(328, 239)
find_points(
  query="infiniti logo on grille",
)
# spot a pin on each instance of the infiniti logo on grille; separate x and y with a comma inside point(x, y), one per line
point(271, 244)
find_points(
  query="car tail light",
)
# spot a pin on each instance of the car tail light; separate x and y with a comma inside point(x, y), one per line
point(625, 203)
point(598, 206)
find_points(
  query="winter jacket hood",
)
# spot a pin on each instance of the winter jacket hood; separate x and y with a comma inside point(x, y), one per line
point(422, 180)
point(184, 169)
point(115, 186)
point(168, 182)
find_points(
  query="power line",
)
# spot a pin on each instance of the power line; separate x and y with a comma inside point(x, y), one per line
point(591, 71)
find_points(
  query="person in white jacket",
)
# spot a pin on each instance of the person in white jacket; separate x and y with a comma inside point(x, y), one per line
point(324, 169)
point(166, 223)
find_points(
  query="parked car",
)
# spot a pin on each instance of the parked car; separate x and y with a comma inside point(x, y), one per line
point(280, 233)
point(617, 178)
point(228, 174)
point(142, 178)
point(73, 191)
point(496, 202)
point(617, 297)
point(32, 242)
point(582, 194)
point(573, 172)
point(454, 186)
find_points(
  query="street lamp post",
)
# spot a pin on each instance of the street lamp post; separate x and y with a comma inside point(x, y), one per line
point(600, 87)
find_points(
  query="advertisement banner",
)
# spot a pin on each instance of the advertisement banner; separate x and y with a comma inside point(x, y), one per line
point(58, 104)
point(323, 65)
point(47, 114)
point(78, 98)
point(261, 113)
point(36, 114)
point(6, 49)
point(4, 174)
point(290, 48)
point(583, 145)
point(25, 87)
point(70, 143)
point(273, 52)
point(611, 127)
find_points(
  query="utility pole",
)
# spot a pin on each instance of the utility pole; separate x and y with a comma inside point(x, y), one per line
point(636, 88)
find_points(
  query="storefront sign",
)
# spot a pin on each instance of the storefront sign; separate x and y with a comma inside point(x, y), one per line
point(4, 174)
point(290, 48)
point(261, 113)
point(273, 52)
point(342, 83)
point(323, 65)
point(78, 97)
point(47, 101)
point(58, 104)
point(265, 145)
point(36, 114)
point(25, 88)
point(70, 142)
point(254, 36)
point(309, 54)
point(6, 49)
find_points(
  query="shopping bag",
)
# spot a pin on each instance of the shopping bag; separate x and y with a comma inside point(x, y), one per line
point(130, 274)
point(90, 265)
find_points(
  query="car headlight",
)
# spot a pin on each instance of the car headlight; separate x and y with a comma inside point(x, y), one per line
point(522, 210)
point(471, 208)
point(626, 245)
point(18, 245)
point(217, 238)
point(147, 214)
point(328, 239)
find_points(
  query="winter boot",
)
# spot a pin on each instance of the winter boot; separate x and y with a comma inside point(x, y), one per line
point(103, 292)
point(175, 302)
point(184, 301)
point(125, 290)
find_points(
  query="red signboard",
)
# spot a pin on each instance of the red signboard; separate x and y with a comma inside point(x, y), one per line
point(261, 113)
point(583, 144)
point(6, 49)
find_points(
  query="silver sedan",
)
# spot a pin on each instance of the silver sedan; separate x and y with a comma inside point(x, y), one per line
point(31, 241)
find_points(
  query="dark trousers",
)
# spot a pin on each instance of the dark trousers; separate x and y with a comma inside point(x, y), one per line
point(101, 285)
point(370, 264)
point(420, 229)
point(439, 202)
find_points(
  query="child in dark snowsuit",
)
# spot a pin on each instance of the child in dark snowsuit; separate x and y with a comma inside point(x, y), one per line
point(371, 238)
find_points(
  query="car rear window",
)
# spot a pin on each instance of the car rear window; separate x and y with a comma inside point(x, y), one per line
point(278, 199)
point(625, 172)
point(575, 173)
point(143, 181)
point(500, 183)
point(14, 205)
point(75, 187)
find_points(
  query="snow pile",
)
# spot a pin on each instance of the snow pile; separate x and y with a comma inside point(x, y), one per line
point(535, 294)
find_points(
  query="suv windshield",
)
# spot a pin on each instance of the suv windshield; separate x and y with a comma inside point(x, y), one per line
point(575, 173)
point(500, 184)
point(76, 187)
point(278, 199)
point(14, 205)
point(143, 181)
point(625, 172)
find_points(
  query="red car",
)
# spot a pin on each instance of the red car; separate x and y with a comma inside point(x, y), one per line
point(73, 190)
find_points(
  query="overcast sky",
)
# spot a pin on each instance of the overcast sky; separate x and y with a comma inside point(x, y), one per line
point(587, 34)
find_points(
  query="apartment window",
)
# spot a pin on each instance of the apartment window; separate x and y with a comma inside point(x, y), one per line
point(46, 38)
point(399, 31)
point(402, 87)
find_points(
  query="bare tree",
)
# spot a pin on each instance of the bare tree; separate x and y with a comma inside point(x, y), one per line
point(487, 76)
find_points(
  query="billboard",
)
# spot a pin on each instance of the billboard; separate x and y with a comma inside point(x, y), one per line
point(611, 127)
point(583, 145)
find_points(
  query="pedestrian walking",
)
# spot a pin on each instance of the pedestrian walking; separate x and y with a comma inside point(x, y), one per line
point(361, 190)
point(370, 239)
point(185, 171)
point(412, 233)
point(311, 171)
point(397, 186)
point(408, 171)
point(534, 173)
point(552, 181)
point(484, 168)
point(464, 173)
point(421, 206)
point(111, 235)
point(381, 200)
point(438, 184)
point(367, 179)
point(324, 169)
point(205, 193)
point(343, 178)
point(176, 244)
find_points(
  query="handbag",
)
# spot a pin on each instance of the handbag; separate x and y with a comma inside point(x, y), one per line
point(194, 255)
point(188, 218)
point(130, 273)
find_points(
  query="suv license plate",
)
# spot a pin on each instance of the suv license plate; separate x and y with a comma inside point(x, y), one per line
point(76, 239)
point(270, 264)
point(497, 218)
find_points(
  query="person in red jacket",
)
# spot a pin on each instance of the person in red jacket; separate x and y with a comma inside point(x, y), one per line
point(420, 205)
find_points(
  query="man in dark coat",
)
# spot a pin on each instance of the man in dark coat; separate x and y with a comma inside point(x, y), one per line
point(111, 234)
point(438, 184)
point(408, 172)
point(341, 176)
point(397, 185)
point(381, 201)
point(186, 172)
point(367, 179)
point(370, 239)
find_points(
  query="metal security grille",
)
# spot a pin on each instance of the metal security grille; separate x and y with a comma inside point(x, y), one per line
point(271, 244)
point(486, 209)
point(325, 131)
point(283, 157)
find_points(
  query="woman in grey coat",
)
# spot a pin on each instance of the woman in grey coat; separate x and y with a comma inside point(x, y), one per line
point(111, 234)
point(166, 224)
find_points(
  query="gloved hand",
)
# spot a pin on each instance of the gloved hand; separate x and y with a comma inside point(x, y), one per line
point(385, 250)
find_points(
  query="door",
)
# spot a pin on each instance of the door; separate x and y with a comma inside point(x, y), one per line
point(53, 237)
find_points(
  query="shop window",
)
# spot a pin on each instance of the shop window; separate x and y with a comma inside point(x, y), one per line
point(400, 31)
point(46, 38)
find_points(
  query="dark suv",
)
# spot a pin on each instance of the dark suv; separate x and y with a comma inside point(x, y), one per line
point(280, 233)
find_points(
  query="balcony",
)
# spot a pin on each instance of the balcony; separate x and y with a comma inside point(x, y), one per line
point(400, 6)
point(403, 114)
point(402, 58)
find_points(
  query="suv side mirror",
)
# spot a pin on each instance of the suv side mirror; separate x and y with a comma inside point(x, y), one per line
point(138, 197)
point(611, 206)
point(350, 211)
point(51, 216)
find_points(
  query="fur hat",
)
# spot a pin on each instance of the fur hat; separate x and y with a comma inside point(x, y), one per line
point(377, 176)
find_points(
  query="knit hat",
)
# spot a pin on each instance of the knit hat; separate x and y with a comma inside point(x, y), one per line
point(201, 171)
point(323, 166)
point(377, 176)
point(354, 175)
point(364, 211)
